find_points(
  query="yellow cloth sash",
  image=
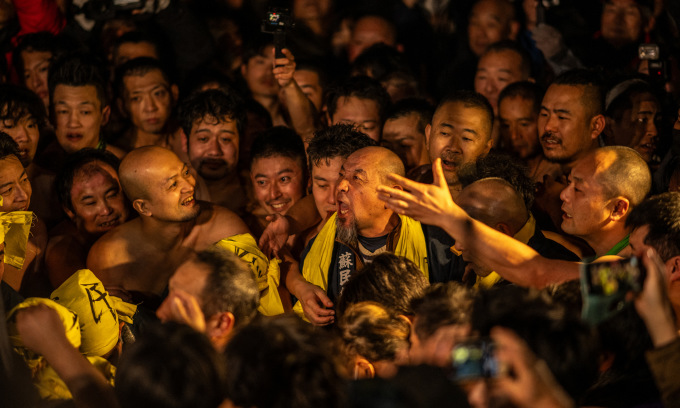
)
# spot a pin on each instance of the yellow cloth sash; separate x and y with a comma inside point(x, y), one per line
point(523, 236)
point(267, 273)
point(411, 245)
point(98, 312)
point(15, 227)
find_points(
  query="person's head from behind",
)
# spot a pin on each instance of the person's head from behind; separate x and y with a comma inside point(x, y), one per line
point(170, 365)
point(443, 308)
point(632, 117)
point(360, 211)
point(146, 94)
point(369, 30)
point(89, 192)
point(224, 288)
point(375, 339)
point(491, 21)
point(404, 131)
point(460, 132)
point(213, 123)
point(278, 169)
point(604, 187)
point(291, 368)
point(518, 108)
point(78, 100)
point(15, 189)
point(134, 44)
point(501, 64)
point(389, 280)
point(360, 101)
point(22, 115)
point(159, 185)
point(32, 58)
point(571, 116)
point(327, 152)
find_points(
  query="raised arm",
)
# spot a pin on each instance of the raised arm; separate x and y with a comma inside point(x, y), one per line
point(516, 262)
point(300, 109)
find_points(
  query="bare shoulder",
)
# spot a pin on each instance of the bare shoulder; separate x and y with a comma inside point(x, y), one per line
point(217, 223)
point(117, 151)
point(112, 248)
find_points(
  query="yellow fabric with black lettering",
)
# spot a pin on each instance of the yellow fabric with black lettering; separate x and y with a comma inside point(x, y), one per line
point(267, 273)
point(84, 294)
point(15, 228)
point(51, 387)
point(411, 245)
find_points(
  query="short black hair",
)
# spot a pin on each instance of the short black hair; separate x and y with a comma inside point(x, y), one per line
point(42, 41)
point(509, 45)
point(390, 280)
point(229, 287)
point(421, 107)
point(362, 87)
point(622, 99)
point(17, 102)
point(591, 82)
point(79, 69)
point(256, 45)
point(524, 90)
point(315, 66)
point(380, 60)
point(8, 146)
point(213, 103)
point(442, 304)
point(336, 141)
point(75, 162)
point(471, 99)
point(204, 75)
point(137, 37)
point(661, 214)
point(279, 141)
point(138, 66)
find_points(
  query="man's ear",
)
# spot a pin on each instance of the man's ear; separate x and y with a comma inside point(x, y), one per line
point(673, 269)
point(185, 140)
point(141, 207)
point(596, 126)
point(621, 208)
point(106, 112)
point(363, 369)
point(219, 328)
point(503, 227)
point(428, 129)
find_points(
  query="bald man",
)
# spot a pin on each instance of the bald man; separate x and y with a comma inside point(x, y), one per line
point(494, 202)
point(362, 227)
point(604, 187)
point(136, 259)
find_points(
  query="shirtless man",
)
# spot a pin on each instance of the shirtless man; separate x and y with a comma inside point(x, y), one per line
point(91, 196)
point(138, 257)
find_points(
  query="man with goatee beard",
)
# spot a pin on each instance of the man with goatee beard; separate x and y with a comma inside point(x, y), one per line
point(460, 133)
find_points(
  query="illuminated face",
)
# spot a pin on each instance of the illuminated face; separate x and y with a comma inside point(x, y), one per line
point(148, 100)
point(325, 179)
point(308, 81)
point(489, 23)
point(78, 116)
point(213, 147)
point(566, 128)
point(278, 183)
point(15, 188)
point(129, 50)
point(401, 135)
point(362, 113)
point(259, 75)
point(26, 133)
point(585, 208)
point(310, 9)
point(367, 32)
point(495, 71)
point(170, 188)
point(621, 22)
point(637, 127)
point(357, 201)
point(36, 67)
point(519, 126)
point(458, 135)
point(97, 200)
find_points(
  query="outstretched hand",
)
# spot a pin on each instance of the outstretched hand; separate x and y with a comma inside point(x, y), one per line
point(428, 203)
point(275, 235)
point(284, 68)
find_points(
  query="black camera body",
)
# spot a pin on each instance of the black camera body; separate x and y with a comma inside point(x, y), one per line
point(658, 70)
point(278, 22)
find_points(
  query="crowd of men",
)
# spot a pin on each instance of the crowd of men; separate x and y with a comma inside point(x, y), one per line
point(409, 203)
